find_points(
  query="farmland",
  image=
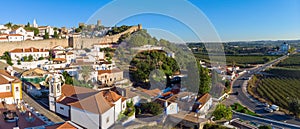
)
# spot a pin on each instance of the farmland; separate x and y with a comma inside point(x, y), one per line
point(278, 85)
point(279, 90)
point(292, 62)
point(239, 59)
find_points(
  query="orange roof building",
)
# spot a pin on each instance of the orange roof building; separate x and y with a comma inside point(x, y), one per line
point(86, 107)
point(19, 53)
point(10, 88)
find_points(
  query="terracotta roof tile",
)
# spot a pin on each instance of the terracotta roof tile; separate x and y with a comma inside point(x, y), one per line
point(95, 104)
point(114, 70)
point(111, 96)
point(203, 99)
point(15, 35)
point(5, 94)
point(32, 49)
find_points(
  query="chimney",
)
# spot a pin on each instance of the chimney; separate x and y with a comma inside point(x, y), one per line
point(23, 50)
point(31, 49)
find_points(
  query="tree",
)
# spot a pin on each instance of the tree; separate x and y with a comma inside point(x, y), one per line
point(55, 35)
point(19, 62)
point(8, 25)
point(41, 58)
point(152, 108)
point(35, 30)
point(266, 59)
point(77, 30)
point(30, 58)
point(205, 80)
point(222, 111)
point(25, 58)
point(46, 36)
point(264, 127)
point(294, 107)
point(28, 24)
point(7, 57)
point(68, 78)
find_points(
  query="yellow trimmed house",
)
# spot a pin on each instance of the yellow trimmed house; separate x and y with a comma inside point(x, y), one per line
point(10, 88)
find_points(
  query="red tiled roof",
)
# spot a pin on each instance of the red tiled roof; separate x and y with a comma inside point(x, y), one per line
point(59, 59)
point(203, 99)
point(5, 94)
point(115, 70)
point(65, 125)
point(111, 96)
point(153, 92)
point(95, 104)
point(4, 75)
point(15, 35)
point(32, 49)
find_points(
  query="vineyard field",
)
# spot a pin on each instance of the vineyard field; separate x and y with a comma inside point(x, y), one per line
point(279, 90)
point(239, 59)
point(292, 62)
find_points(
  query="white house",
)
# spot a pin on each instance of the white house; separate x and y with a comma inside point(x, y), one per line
point(15, 37)
point(43, 29)
point(3, 38)
point(69, 56)
point(203, 104)
point(19, 53)
point(169, 107)
point(19, 30)
point(10, 88)
point(98, 47)
point(86, 107)
point(26, 33)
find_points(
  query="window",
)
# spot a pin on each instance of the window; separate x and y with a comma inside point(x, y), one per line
point(7, 88)
point(17, 89)
point(51, 88)
point(107, 119)
point(58, 87)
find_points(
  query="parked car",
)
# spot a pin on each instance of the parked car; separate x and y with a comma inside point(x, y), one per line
point(266, 105)
point(274, 107)
point(268, 110)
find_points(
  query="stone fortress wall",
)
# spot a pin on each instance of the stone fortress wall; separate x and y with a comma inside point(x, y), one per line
point(79, 43)
point(47, 44)
point(76, 43)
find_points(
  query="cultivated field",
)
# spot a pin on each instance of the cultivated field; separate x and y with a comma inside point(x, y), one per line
point(292, 62)
point(280, 84)
point(240, 59)
point(279, 90)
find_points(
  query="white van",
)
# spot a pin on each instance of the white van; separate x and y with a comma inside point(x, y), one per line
point(274, 107)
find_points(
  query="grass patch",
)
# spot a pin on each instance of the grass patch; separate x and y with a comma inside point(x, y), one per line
point(239, 108)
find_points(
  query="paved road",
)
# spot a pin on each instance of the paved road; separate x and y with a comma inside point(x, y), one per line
point(239, 86)
point(263, 121)
point(50, 115)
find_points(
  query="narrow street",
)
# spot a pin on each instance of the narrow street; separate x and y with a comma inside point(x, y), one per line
point(50, 115)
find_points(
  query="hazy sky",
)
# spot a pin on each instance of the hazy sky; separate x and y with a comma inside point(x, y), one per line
point(232, 19)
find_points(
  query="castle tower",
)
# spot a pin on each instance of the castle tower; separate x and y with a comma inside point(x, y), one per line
point(98, 23)
point(55, 83)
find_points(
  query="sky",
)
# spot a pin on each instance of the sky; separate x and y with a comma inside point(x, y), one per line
point(232, 20)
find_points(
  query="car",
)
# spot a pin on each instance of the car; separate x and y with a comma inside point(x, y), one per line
point(268, 110)
point(266, 105)
point(274, 107)
point(236, 93)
